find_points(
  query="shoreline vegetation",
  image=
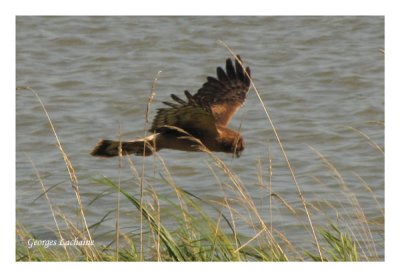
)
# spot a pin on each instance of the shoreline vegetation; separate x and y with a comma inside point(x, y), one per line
point(198, 235)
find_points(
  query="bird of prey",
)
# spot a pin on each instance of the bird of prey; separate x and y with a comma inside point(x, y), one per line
point(201, 118)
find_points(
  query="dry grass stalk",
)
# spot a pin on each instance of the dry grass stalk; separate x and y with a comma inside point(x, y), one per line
point(286, 204)
point(50, 205)
point(303, 201)
point(71, 171)
point(368, 188)
point(370, 141)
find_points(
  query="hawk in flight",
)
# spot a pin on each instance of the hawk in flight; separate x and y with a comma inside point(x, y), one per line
point(202, 117)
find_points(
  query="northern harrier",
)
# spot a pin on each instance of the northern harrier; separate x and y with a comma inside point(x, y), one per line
point(204, 116)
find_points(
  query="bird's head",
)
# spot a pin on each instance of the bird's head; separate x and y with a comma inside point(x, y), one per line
point(230, 141)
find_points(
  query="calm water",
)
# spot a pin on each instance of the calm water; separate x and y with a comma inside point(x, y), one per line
point(319, 77)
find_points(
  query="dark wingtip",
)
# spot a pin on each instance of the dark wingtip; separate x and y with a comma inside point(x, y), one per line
point(172, 105)
point(188, 94)
point(178, 99)
point(230, 69)
point(221, 75)
point(189, 97)
point(239, 70)
point(247, 76)
point(248, 71)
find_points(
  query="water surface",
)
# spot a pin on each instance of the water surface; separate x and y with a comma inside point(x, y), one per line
point(321, 78)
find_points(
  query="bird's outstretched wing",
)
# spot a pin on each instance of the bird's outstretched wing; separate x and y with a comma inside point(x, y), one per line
point(225, 94)
point(189, 116)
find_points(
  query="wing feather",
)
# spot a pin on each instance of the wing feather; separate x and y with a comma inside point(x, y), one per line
point(189, 116)
point(214, 104)
point(173, 105)
point(190, 98)
point(230, 69)
point(177, 99)
point(239, 71)
point(221, 75)
point(225, 94)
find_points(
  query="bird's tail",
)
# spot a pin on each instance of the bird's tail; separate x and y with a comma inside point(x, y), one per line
point(112, 148)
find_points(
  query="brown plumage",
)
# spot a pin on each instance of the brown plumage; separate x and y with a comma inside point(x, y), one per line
point(203, 117)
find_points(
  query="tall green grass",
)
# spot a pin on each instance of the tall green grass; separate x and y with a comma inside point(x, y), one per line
point(196, 234)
